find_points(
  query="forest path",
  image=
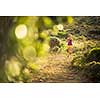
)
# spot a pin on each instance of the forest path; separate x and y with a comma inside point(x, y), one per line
point(58, 69)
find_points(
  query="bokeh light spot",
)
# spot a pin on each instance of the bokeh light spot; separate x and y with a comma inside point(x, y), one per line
point(29, 53)
point(12, 68)
point(70, 19)
point(60, 27)
point(21, 31)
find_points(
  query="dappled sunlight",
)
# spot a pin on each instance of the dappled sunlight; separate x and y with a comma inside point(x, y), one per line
point(53, 64)
point(79, 45)
point(48, 48)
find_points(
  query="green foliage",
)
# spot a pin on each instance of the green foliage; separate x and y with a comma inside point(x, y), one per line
point(55, 30)
point(41, 34)
point(92, 71)
point(70, 19)
point(63, 46)
point(29, 53)
point(23, 52)
point(54, 41)
point(79, 61)
point(94, 55)
point(62, 33)
point(12, 69)
point(47, 22)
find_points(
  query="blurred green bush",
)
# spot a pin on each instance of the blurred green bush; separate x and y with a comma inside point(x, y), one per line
point(94, 55)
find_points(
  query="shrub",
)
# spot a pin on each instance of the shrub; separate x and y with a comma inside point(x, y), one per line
point(94, 55)
point(54, 41)
point(92, 71)
point(79, 61)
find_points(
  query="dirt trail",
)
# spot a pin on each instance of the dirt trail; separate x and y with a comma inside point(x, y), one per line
point(57, 70)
